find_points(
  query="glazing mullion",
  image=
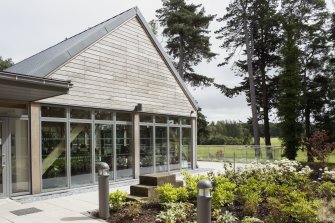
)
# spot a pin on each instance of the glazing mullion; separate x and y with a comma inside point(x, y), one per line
point(68, 149)
point(114, 147)
point(93, 139)
point(180, 147)
point(154, 144)
point(168, 147)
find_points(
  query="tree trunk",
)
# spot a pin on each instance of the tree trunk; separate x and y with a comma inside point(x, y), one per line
point(248, 44)
point(181, 57)
point(265, 103)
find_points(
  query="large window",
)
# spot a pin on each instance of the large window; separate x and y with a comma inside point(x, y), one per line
point(81, 153)
point(161, 149)
point(124, 151)
point(146, 149)
point(104, 145)
point(186, 148)
point(54, 162)
point(19, 156)
point(174, 148)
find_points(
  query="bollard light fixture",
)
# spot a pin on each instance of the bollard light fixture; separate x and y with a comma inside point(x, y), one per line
point(204, 188)
point(204, 201)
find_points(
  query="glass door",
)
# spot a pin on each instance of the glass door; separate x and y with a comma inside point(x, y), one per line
point(3, 188)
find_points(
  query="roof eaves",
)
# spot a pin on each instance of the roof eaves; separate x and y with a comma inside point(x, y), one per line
point(166, 58)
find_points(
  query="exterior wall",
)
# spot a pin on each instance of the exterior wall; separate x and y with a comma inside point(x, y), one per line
point(119, 71)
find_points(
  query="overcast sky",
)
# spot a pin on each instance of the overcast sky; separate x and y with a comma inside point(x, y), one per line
point(28, 27)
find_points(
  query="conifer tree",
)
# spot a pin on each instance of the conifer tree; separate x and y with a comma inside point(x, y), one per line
point(186, 28)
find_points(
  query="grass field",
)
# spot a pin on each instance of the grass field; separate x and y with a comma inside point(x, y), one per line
point(246, 154)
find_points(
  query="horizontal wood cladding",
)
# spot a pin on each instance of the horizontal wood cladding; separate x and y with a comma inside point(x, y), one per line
point(119, 71)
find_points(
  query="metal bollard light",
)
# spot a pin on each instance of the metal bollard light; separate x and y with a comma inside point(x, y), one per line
point(103, 175)
point(204, 201)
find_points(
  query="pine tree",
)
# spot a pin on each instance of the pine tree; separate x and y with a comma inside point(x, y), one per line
point(186, 28)
point(5, 63)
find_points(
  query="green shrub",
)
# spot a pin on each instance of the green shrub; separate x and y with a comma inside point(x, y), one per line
point(191, 183)
point(248, 219)
point(182, 195)
point(223, 193)
point(327, 190)
point(117, 199)
point(226, 217)
point(167, 193)
point(250, 195)
point(176, 212)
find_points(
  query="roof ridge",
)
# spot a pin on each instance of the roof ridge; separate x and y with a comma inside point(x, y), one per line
point(90, 28)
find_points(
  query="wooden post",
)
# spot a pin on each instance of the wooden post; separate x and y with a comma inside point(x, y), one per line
point(35, 132)
point(136, 140)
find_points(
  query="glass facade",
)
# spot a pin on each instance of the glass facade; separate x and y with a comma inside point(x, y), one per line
point(124, 151)
point(161, 149)
point(104, 146)
point(146, 149)
point(54, 155)
point(81, 153)
point(74, 139)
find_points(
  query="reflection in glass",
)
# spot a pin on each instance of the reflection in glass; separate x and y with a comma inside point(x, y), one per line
point(146, 118)
point(81, 166)
point(185, 121)
point(80, 113)
point(104, 145)
point(13, 109)
point(125, 117)
point(173, 120)
point(54, 155)
point(174, 148)
point(19, 155)
point(161, 119)
point(187, 148)
point(103, 115)
point(124, 152)
point(1, 176)
point(146, 149)
point(161, 149)
point(56, 112)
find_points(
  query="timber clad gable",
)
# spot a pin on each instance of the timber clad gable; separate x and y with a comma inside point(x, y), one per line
point(119, 71)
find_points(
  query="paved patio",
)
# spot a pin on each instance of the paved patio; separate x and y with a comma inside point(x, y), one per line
point(70, 206)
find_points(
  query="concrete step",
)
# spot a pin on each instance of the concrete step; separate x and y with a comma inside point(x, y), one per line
point(137, 198)
point(178, 183)
point(157, 179)
point(143, 190)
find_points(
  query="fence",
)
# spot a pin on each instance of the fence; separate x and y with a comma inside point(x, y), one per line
point(238, 153)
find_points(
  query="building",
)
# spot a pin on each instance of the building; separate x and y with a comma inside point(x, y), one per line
point(107, 94)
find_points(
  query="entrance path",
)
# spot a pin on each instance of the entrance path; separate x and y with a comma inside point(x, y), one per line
point(70, 206)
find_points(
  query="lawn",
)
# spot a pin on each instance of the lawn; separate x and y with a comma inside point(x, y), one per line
point(246, 154)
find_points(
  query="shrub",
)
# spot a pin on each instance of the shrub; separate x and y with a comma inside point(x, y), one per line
point(226, 217)
point(327, 190)
point(167, 193)
point(223, 193)
point(248, 219)
point(176, 212)
point(191, 183)
point(117, 199)
point(182, 195)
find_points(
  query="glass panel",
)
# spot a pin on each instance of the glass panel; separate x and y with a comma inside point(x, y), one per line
point(103, 115)
point(19, 155)
point(146, 149)
point(174, 148)
point(81, 166)
point(173, 120)
point(126, 117)
point(146, 118)
point(185, 121)
point(161, 149)
point(80, 114)
point(54, 174)
point(56, 112)
point(161, 119)
point(187, 148)
point(13, 109)
point(104, 146)
point(124, 152)
point(1, 176)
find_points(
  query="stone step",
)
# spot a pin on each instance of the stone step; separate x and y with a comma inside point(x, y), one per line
point(137, 198)
point(157, 179)
point(143, 190)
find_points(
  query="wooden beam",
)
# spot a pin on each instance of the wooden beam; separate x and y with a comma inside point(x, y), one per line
point(35, 132)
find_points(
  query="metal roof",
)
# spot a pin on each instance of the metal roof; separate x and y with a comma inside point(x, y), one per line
point(29, 88)
point(46, 61)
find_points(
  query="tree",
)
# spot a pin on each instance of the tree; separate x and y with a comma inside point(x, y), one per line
point(153, 26)
point(265, 26)
point(5, 63)
point(238, 32)
point(185, 26)
point(202, 127)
